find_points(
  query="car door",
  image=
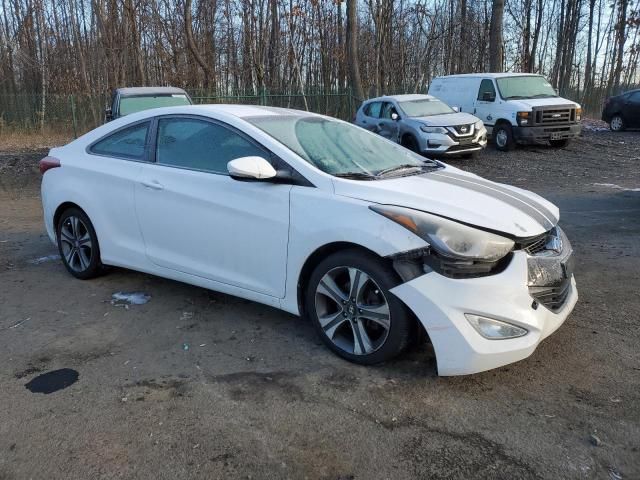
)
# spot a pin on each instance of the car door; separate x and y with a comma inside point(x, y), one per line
point(387, 126)
point(196, 219)
point(632, 110)
point(484, 107)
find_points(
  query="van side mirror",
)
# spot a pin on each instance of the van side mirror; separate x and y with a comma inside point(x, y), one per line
point(108, 114)
point(488, 96)
point(395, 116)
point(456, 109)
point(251, 168)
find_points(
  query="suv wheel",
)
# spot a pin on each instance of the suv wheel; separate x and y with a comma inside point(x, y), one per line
point(503, 137)
point(411, 143)
point(78, 244)
point(617, 123)
point(348, 300)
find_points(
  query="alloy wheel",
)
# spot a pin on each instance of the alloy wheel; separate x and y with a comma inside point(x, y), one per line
point(76, 245)
point(352, 310)
point(501, 138)
point(616, 123)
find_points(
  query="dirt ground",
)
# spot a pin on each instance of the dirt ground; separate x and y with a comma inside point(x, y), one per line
point(196, 384)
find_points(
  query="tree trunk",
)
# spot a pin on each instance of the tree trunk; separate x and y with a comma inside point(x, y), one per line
point(496, 53)
point(352, 49)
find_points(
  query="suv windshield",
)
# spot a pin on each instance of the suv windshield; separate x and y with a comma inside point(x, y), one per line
point(525, 87)
point(425, 107)
point(339, 148)
point(136, 104)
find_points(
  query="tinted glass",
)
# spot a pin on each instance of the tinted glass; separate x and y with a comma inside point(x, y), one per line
point(635, 97)
point(525, 87)
point(128, 142)
point(425, 107)
point(373, 109)
point(336, 147)
point(487, 90)
point(201, 145)
point(136, 104)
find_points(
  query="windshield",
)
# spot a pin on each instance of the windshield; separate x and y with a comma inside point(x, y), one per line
point(136, 104)
point(525, 87)
point(338, 148)
point(425, 107)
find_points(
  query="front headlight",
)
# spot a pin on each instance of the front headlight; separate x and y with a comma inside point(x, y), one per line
point(449, 238)
point(427, 129)
point(479, 125)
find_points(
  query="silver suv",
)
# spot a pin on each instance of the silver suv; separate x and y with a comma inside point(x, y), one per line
point(424, 124)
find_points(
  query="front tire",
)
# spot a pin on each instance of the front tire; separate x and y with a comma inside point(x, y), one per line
point(617, 124)
point(348, 300)
point(78, 244)
point(411, 143)
point(503, 137)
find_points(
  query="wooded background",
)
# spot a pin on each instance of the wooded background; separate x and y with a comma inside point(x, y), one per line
point(589, 49)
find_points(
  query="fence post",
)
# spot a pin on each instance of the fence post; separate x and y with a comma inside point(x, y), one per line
point(73, 117)
point(264, 96)
point(350, 104)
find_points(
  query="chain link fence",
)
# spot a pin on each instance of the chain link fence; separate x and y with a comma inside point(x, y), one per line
point(77, 114)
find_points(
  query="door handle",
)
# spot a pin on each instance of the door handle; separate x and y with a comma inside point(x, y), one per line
point(153, 184)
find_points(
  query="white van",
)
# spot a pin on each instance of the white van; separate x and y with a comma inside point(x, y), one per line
point(515, 107)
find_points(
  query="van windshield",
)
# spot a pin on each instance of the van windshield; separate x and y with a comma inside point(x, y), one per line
point(425, 107)
point(512, 88)
point(130, 105)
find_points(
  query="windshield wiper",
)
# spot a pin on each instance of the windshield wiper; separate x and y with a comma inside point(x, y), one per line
point(406, 166)
point(355, 175)
point(544, 95)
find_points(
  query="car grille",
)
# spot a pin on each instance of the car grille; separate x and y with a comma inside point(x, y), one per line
point(552, 297)
point(536, 245)
point(462, 130)
point(554, 116)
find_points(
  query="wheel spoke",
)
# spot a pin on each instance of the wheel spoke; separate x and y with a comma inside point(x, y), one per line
point(376, 313)
point(329, 288)
point(84, 260)
point(66, 236)
point(357, 280)
point(85, 240)
point(361, 341)
point(331, 322)
point(75, 227)
point(69, 256)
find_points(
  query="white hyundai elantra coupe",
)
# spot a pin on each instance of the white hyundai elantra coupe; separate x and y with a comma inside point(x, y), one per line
point(320, 218)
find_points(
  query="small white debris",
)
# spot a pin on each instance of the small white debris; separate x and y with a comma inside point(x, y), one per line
point(119, 299)
point(46, 258)
point(20, 323)
point(186, 315)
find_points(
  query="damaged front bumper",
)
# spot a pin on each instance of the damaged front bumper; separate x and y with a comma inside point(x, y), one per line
point(519, 295)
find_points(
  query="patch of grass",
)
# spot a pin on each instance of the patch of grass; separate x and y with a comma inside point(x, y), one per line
point(15, 140)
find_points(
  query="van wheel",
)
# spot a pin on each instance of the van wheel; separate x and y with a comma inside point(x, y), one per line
point(349, 302)
point(411, 143)
point(617, 124)
point(559, 143)
point(503, 137)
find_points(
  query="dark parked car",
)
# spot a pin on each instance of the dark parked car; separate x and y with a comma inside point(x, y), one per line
point(134, 99)
point(623, 111)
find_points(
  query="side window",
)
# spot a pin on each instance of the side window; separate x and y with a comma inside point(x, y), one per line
point(387, 110)
point(373, 109)
point(200, 145)
point(635, 97)
point(128, 142)
point(487, 92)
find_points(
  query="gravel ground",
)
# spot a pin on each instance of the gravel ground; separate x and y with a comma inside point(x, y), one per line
point(255, 395)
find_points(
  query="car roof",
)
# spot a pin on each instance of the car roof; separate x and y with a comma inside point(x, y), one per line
point(401, 98)
point(132, 91)
point(239, 111)
point(491, 75)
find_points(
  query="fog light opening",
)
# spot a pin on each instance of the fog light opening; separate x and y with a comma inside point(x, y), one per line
point(493, 329)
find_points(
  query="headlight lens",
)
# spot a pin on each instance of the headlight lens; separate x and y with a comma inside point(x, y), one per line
point(449, 238)
point(479, 125)
point(493, 329)
point(523, 118)
point(578, 113)
point(427, 129)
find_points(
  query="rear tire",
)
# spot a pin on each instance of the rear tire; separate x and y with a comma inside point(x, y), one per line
point(348, 301)
point(559, 143)
point(78, 244)
point(503, 137)
point(617, 124)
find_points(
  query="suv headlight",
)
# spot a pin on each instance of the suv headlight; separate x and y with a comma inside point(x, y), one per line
point(427, 129)
point(450, 239)
point(479, 125)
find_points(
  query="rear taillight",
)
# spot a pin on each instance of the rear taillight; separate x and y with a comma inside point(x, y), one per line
point(48, 163)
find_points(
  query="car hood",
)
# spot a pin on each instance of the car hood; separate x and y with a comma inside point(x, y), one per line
point(463, 197)
point(447, 119)
point(529, 103)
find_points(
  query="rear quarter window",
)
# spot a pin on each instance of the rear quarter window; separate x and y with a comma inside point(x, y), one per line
point(128, 142)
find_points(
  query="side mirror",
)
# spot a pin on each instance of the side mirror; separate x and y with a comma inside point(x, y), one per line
point(108, 114)
point(251, 168)
point(456, 109)
point(395, 116)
